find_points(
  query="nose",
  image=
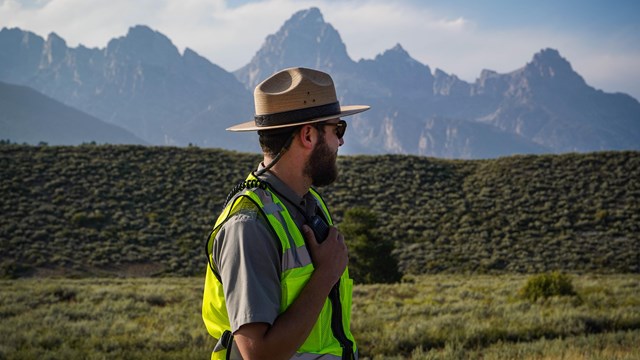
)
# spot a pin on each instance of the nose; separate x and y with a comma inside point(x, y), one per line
point(341, 142)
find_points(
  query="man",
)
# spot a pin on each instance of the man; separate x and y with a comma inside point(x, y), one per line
point(278, 286)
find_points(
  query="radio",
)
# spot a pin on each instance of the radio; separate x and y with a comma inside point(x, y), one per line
point(320, 228)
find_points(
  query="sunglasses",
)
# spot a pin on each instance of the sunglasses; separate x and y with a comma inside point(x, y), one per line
point(341, 127)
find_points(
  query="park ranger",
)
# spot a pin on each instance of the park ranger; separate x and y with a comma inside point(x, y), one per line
point(277, 285)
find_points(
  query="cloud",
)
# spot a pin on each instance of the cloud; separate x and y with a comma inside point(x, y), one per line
point(455, 45)
point(92, 23)
point(230, 37)
point(369, 28)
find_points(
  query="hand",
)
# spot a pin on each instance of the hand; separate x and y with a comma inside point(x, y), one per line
point(329, 258)
point(293, 326)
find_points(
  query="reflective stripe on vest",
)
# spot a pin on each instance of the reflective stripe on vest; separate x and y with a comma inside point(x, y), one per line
point(296, 269)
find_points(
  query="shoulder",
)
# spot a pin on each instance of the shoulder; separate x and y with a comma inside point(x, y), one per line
point(243, 207)
point(246, 222)
point(245, 239)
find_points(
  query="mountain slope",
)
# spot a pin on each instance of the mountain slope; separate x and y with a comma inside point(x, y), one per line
point(103, 208)
point(139, 81)
point(28, 116)
point(548, 102)
point(460, 139)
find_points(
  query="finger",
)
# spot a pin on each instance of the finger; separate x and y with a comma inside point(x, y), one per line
point(341, 241)
point(309, 235)
point(333, 232)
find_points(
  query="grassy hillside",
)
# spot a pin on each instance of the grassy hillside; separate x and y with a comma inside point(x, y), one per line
point(134, 210)
point(431, 317)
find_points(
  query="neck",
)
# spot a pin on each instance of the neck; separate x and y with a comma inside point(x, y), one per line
point(292, 176)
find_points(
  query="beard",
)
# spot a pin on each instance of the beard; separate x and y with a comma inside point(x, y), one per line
point(321, 166)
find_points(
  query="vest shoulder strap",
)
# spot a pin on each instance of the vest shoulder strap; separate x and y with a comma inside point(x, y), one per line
point(238, 202)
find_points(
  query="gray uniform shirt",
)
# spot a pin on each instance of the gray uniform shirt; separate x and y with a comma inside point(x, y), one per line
point(247, 255)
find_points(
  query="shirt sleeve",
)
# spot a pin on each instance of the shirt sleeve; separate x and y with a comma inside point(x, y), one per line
point(248, 260)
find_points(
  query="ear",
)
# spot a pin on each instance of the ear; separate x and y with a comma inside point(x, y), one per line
point(308, 136)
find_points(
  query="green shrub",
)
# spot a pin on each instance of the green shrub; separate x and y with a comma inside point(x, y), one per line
point(547, 285)
point(370, 259)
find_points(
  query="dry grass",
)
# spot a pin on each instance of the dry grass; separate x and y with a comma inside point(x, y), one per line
point(431, 317)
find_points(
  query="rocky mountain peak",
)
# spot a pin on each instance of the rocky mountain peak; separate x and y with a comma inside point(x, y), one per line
point(396, 72)
point(143, 32)
point(8, 32)
point(550, 57)
point(308, 16)
point(146, 46)
point(55, 49)
point(306, 37)
point(486, 74)
point(439, 73)
point(549, 65)
point(17, 37)
point(449, 85)
point(55, 40)
point(304, 40)
point(491, 83)
point(20, 53)
point(396, 53)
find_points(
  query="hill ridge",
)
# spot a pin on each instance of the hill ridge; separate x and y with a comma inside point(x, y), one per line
point(95, 210)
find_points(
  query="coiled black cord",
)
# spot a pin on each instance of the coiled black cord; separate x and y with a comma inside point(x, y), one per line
point(247, 184)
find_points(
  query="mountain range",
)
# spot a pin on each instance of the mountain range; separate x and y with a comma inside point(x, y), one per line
point(142, 83)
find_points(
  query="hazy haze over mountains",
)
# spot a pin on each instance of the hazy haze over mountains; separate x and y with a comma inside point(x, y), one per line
point(141, 82)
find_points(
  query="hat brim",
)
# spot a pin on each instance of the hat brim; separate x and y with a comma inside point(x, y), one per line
point(344, 111)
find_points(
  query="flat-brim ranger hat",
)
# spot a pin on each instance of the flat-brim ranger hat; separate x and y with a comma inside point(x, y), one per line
point(294, 97)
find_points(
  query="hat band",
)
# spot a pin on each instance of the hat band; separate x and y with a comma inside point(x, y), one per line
point(297, 116)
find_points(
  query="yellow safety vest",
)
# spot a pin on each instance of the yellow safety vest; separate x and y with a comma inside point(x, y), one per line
point(330, 337)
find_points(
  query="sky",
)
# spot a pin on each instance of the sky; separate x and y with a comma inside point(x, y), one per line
point(600, 38)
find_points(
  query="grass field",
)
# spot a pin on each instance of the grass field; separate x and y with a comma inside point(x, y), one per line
point(425, 317)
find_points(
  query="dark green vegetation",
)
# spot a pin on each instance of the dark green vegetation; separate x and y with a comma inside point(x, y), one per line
point(427, 317)
point(544, 286)
point(133, 210)
point(369, 253)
